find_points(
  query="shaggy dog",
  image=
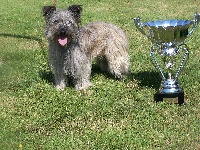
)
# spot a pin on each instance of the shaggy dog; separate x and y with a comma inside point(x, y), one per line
point(72, 48)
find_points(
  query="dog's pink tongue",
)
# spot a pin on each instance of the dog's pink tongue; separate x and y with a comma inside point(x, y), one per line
point(62, 40)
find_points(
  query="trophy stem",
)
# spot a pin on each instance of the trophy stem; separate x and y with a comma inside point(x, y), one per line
point(170, 75)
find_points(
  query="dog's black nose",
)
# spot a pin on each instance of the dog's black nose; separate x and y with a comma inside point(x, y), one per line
point(62, 30)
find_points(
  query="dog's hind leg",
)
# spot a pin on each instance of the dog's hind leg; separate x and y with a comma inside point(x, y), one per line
point(118, 65)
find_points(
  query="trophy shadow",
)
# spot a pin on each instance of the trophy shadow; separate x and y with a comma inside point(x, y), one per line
point(150, 79)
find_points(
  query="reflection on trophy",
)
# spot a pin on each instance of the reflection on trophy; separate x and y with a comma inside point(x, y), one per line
point(169, 52)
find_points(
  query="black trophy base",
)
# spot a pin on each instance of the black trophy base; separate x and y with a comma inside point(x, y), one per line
point(177, 98)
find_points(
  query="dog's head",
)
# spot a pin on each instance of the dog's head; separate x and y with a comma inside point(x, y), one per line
point(62, 25)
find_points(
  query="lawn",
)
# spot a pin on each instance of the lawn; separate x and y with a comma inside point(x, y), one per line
point(109, 115)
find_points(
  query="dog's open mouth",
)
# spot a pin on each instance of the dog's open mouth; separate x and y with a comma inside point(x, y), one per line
point(62, 40)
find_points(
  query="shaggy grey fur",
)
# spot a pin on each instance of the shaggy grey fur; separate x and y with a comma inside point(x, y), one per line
point(72, 48)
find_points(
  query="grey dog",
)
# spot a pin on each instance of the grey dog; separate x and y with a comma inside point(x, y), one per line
point(72, 48)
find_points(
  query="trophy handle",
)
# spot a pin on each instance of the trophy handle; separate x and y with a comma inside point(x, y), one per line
point(186, 54)
point(196, 22)
point(155, 62)
point(139, 25)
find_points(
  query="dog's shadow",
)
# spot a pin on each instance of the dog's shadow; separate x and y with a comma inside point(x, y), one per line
point(150, 79)
point(96, 70)
point(47, 76)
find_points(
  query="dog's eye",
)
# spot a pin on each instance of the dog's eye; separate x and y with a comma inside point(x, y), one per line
point(69, 22)
point(56, 21)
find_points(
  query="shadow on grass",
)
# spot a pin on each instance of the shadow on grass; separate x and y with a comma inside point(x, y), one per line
point(44, 74)
point(150, 79)
point(21, 37)
point(47, 76)
point(96, 70)
point(39, 40)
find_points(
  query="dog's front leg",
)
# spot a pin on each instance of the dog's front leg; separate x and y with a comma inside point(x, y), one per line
point(57, 66)
point(60, 81)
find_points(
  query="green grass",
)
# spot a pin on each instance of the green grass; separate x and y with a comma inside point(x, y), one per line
point(109, 115)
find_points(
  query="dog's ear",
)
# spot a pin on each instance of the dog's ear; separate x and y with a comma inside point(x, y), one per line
point(48, 10)
point(76, 12)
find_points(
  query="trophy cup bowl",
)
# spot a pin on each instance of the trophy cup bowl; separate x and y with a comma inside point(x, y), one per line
point(168, 43)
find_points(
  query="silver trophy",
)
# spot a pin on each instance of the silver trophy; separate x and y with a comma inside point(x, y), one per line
point(169, 52)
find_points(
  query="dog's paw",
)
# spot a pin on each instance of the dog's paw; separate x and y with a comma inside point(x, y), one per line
point(60, 87)
point(82, 86)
